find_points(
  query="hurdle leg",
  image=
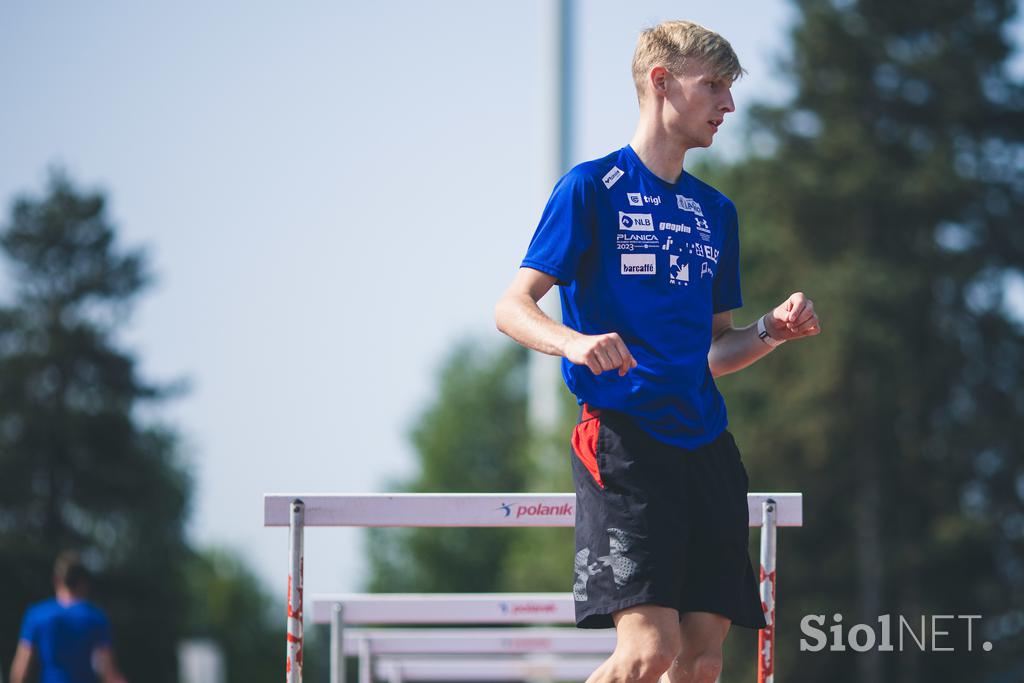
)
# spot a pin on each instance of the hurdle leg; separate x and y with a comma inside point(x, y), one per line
point(365, 662)
point(296, 519)
point(337, 645)
point(766, 636)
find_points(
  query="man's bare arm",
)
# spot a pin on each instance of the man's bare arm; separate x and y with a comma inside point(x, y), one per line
point(518, 315)
point(106, 667)
point(23, 658)
point(735, 348)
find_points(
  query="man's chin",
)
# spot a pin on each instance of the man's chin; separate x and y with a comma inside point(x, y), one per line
point(702, 140)
point(696, 143)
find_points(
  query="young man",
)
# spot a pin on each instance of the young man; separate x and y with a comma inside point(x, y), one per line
point(67, 636)
point(647, 257)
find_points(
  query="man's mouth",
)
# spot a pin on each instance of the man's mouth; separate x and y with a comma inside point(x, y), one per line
point(715, 123)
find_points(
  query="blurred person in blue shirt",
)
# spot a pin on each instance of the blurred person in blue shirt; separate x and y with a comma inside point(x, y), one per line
point(66, 636)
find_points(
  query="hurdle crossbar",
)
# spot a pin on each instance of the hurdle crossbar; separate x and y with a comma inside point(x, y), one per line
point(766, 510)
point(469, 641)
point(445, 608)
point(469, 509)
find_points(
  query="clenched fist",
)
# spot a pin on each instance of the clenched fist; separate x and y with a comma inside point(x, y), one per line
point(600, 353)
point(793, 318)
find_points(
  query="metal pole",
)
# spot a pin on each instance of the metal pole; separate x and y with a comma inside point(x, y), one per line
point(293, 668)
point(365, 665)
point(766, 637)
point(337, 645)
point(544, 373)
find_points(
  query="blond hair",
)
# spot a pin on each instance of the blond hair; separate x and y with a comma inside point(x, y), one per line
point(676, 44)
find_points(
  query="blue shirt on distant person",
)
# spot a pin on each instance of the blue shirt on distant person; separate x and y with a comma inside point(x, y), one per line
point(652, 261)
point(64, 637)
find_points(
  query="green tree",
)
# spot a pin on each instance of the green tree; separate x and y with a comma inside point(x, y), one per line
point(471, 439)
point(891, 189)
point(78, 468)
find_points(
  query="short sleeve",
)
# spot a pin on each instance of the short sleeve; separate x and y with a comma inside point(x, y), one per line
point(30, 629)
point(101, 632)
point(726, 293)
point(565, 230)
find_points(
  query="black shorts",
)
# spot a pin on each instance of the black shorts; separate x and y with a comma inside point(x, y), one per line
point(658, 524)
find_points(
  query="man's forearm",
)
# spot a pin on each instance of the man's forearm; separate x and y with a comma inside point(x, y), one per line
point(522, 319)
point(734, 349)
point(22, 662)
point(107, 667)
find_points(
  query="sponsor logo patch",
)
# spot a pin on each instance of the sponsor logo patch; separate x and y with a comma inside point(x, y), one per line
point(703, 229)
point(637, 264)
point(639, 199)
point(687, 204)
point(611, 177)
point(630, 241)
point(674, 227)
point(705, 250)
point(678, 273)
point(636, 221)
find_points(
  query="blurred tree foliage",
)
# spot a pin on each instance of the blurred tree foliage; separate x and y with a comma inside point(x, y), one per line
point(474, 437)
point(471, 439)
point(78, 468)
point(891, 189)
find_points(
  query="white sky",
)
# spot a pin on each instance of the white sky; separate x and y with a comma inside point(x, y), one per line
point(331, 194)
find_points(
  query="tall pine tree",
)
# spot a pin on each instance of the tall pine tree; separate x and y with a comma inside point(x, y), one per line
point(78, 468)
point(891, 189)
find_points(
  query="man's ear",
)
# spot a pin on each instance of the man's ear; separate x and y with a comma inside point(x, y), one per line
point(657, 80)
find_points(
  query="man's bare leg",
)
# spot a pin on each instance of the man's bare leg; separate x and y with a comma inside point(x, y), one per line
point(700, 656)
point(647, 641)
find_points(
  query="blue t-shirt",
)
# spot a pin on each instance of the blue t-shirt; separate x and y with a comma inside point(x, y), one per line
point(652, 261)
point(64, 638)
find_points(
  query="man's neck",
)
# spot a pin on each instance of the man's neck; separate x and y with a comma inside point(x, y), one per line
point(66, 596)
point(659, 153)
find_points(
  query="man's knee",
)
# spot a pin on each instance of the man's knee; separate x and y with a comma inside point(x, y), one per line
point(647, 662)
point(707, 667)
point(649, 640)
point(703, 667)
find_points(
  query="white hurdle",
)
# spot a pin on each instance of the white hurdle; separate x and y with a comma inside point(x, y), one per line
point(399, 670)
point(445, 608)
point(478, 641)
point(297, 511)
point(339, 610)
